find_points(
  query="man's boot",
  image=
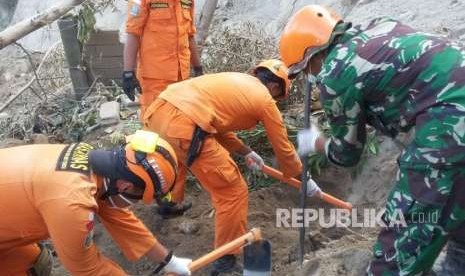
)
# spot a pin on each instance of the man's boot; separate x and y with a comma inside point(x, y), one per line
point(170, 209)
point(452, 262)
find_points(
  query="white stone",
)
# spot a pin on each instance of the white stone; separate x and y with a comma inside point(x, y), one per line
point(109, 113)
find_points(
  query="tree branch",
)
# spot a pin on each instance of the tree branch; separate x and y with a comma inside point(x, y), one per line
point(29, 25)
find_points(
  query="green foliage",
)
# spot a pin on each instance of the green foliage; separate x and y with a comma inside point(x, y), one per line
point(316, 163)
point(371, 148)
point(86, 22)
point(86, 17)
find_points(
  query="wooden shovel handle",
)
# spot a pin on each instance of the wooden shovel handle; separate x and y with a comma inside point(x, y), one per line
point(296, 184)
point(253, 235)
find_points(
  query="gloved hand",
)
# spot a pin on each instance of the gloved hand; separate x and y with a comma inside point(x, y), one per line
point(306, 140)
point(179, 266)
point(254, 161)
point(130, 84)
point(312, 188)
point(197, 71)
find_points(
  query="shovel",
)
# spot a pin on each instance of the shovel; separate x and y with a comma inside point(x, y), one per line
point(296, 184)
point(257, 259)
point(252, 243)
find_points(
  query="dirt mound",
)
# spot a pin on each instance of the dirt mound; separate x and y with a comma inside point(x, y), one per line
point(329, 251)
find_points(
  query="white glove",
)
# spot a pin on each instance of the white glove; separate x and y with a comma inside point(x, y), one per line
point(312, 188)
point(306, 140)
point(254, 161)
point(179, 266)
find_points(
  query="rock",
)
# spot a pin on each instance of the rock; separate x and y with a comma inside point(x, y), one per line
point(109, 113)
point(126, 102)
point(109, 130)
point(4, 116)
point(355, 261)
point(189, 227)
point(39, 138)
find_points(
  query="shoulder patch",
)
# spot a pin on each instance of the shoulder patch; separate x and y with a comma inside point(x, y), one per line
point(75, 158)
point(90, 230)
point(135, 10)
point(159, 5)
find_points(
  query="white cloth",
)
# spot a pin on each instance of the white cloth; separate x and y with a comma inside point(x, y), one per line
point(179, 266)
point(306, 140)
point(254, 161)
point(312, 188)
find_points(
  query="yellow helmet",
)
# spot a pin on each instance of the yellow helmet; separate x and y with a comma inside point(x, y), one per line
point(307, 32)
point(153, 160)
point(279, 69)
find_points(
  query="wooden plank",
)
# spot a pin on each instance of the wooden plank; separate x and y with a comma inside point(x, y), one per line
point(111, 50)
point(104, 38)
point(72, 47)
point(107, 73)
point(106, 62)
point(104, 56)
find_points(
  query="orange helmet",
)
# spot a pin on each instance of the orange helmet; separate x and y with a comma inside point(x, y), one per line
point(154, 161)
point(307, 32)
point(279, 69)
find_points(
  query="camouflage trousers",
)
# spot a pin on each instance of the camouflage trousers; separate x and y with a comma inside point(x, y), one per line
point(424, 210)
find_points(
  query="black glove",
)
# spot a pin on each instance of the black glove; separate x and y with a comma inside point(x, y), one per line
point(197, 71)
point(130, 84)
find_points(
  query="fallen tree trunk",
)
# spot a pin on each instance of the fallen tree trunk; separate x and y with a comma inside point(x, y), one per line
point(29, 25)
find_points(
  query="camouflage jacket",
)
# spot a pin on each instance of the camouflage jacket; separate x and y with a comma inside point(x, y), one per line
point(388, 75)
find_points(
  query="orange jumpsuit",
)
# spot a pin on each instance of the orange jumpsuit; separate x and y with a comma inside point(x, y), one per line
point(164, 28)
point(46, 192)
point(220, 104)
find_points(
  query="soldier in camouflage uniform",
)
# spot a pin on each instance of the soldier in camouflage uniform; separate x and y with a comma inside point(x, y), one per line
point(396, 79)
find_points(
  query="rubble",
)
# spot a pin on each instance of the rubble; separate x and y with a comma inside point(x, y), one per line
point(38, 138)
point(109, 113)
point(189, 227)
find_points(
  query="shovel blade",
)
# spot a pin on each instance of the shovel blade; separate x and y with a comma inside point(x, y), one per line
point(257, 259)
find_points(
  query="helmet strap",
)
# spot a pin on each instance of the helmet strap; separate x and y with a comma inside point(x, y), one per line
point(141, 158)
point(110, 188)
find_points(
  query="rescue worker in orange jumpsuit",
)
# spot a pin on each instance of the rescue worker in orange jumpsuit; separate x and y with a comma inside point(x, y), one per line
point(198, 118)
point(161, 32)
point(57, 191)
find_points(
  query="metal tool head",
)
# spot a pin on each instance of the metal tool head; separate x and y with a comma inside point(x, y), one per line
point(257, 258)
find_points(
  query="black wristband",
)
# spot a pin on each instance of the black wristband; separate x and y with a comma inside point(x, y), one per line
point(164, 262)
point(128, 74)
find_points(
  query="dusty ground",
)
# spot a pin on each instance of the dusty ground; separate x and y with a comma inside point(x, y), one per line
point(332, 251)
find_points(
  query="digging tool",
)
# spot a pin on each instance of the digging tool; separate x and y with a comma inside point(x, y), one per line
point(257, 259)
point(303, 186)
point(297, 184)
point(249, 239)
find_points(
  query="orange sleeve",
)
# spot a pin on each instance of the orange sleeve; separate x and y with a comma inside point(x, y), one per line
point(138, 11)
point(276, 132)
point(231, 142)
point(131, 235)
point(70, 226)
